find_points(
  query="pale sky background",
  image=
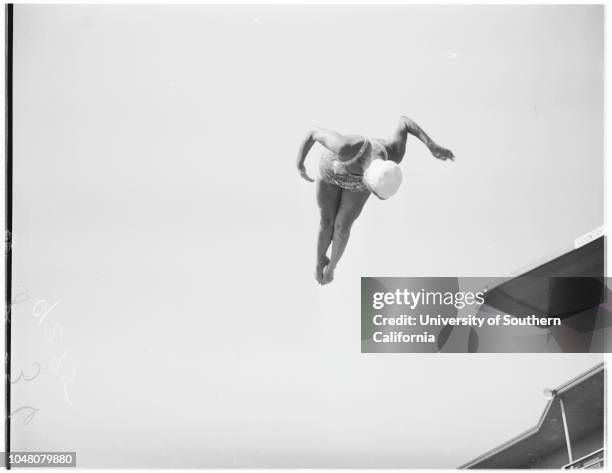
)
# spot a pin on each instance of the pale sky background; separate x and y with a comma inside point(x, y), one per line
point(156, 199)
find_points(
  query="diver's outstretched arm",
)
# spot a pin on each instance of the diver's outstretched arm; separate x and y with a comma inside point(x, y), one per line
point(408, 126)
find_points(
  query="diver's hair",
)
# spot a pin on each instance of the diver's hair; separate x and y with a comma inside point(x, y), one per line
point(383, 178)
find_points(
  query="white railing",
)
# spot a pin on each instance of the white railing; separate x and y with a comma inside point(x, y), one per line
point(595, 459)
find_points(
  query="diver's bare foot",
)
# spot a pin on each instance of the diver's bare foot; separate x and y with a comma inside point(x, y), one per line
point(320, 267)
point(328, 275)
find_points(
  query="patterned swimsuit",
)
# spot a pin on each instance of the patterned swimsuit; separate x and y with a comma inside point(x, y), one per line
point(334, 171)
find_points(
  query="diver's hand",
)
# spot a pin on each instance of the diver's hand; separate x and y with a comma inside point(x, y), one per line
point(439, 152)
point(304, 174)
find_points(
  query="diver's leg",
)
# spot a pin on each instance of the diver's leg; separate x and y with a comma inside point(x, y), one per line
point(351, 204)
point(328, 200)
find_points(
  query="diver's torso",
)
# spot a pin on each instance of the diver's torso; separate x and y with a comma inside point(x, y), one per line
point(349, 174)
point(375, 149)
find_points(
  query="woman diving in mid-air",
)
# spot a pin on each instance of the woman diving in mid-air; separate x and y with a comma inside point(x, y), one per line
point(353, 167)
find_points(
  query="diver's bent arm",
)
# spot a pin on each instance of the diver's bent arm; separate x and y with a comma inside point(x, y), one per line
point(412, 128)
point(409, 126)
point(333, 141)
point(302, 153)
point(304, 149)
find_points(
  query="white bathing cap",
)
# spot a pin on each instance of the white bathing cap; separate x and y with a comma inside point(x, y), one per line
point(383, 178)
